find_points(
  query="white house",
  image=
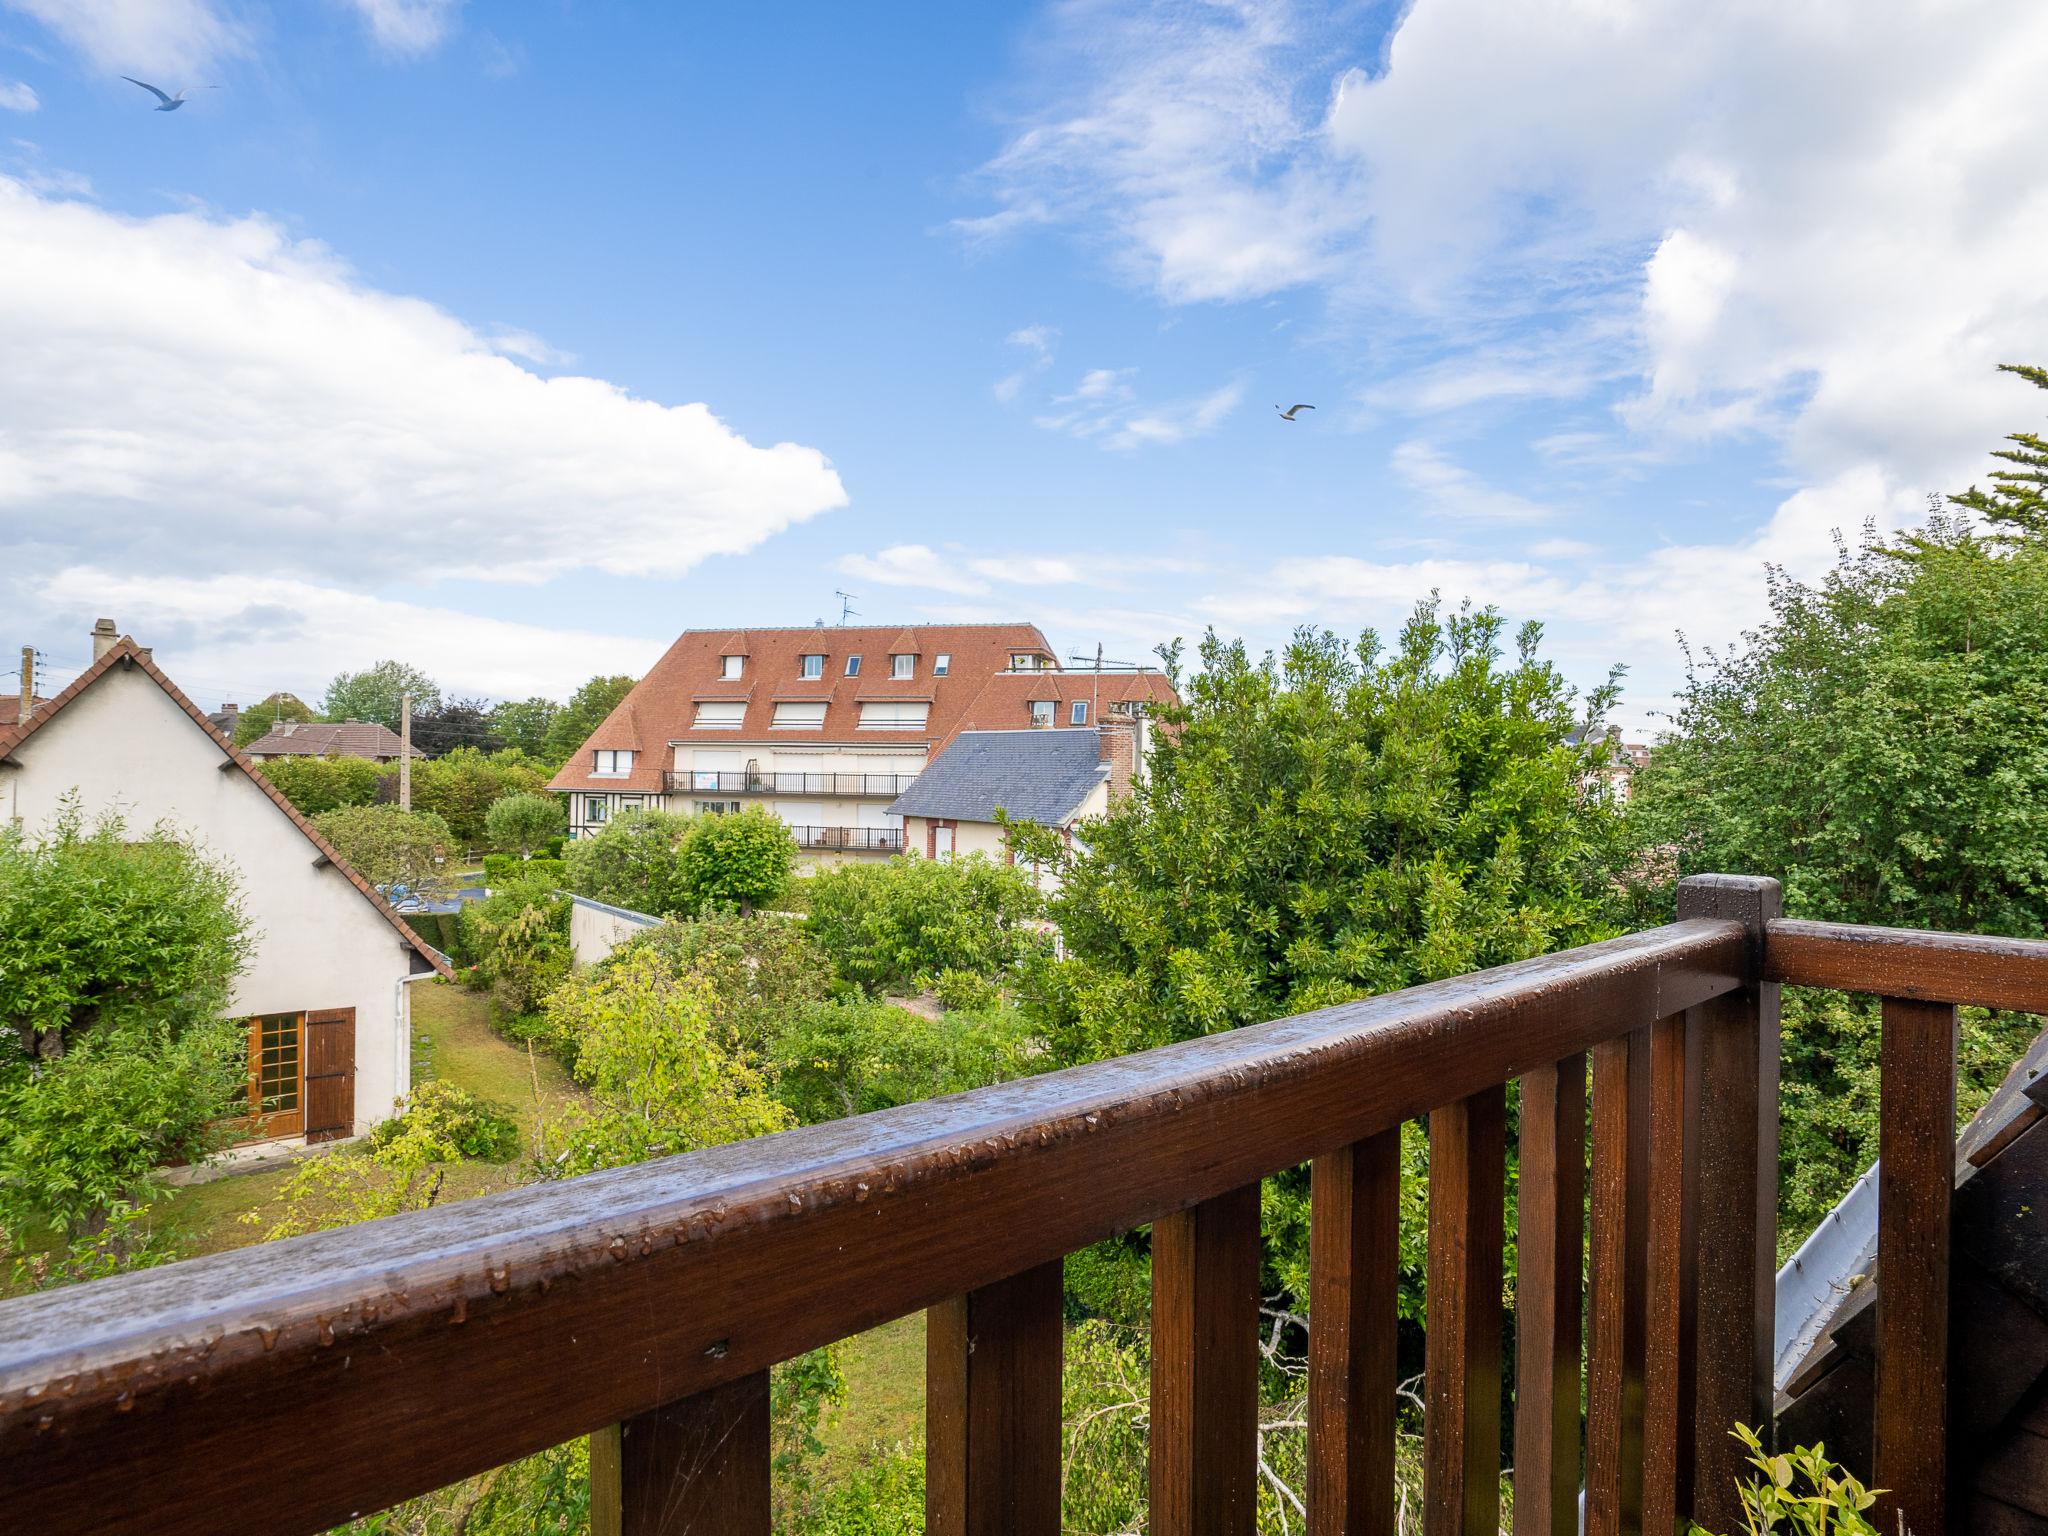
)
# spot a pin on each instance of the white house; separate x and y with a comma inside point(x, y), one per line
point(324, 993)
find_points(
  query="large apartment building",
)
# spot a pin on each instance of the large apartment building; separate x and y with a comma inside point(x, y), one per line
point(826, 726)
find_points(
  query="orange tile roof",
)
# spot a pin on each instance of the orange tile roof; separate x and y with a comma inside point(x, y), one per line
point(1004, 702)
point(663, 707)
point(125, 652)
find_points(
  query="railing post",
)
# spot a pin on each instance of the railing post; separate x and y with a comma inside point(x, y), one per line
point(1205, 1367)
point(1669, 1327)
point(1735, 1048)
point(992, 1408)
point(1551, 1253)
point(1354, 1247)
point(1916, 1149)
point(700, 1464)
point(1462, 1359)
point(1619, 1208)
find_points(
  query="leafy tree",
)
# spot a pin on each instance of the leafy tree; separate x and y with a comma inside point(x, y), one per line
point(524, 723)
point(853, 1056)
point(900, 923)
point(98, 930)
point(455, 723)
point(1342, 822)
point(461, 787)
point(1880, 746)
point(372, 694)
point(389, 847)
point(633, 862)
point(763, 971)
point(524, 823)
point(316, 784)
point(742, 861)
point(255, 721)
point(2017, 502)
point(519, 936)
point(660, 1079)
point(584, 713)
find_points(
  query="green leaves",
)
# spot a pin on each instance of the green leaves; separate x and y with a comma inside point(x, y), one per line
point(898, 924)
point(389, 847)
point(1801, 1492)
point(666, 864)
point(524, 823)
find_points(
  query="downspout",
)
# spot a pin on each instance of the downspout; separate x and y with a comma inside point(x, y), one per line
point(401, 1029)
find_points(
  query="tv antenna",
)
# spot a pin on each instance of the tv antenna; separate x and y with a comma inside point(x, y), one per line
point(846, 608)
point(1096, 662)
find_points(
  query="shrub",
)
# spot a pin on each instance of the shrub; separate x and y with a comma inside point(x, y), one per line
point(389, 847)
point(446, 1122)
point(524, 823)
point(632, 862)
point(763, 971)
point(893, 924)
point(739, 861)
point(461, 787)
point(505, 868)
point(853, 1056)
point(1802, 1492)
point(965, 991)
point(518, 942)
point(317, 784)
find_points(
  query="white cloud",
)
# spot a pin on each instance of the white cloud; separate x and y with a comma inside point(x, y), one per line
point(18, 96)
point(408, 26)
point(1451, 490)
point(913, 565)
point(1103, 406)
point(1561, 549)
point(240, 636)
point(228, 397)
point(1821, 223)
point(173, 39)
point(1038, 340)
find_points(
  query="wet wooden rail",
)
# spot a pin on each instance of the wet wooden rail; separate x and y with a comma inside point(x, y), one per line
point(644, 1305)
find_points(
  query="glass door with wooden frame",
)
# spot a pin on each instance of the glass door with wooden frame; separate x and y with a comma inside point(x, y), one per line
point(277, 1068)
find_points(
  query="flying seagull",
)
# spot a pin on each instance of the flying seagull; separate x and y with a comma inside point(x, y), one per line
point(1288, 414)
point(170, 103)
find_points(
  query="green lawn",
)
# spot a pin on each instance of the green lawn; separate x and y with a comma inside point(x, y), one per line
point(884, 1397)
point(452, 1039)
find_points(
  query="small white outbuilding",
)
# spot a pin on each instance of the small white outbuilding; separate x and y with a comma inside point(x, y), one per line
point(324, 994)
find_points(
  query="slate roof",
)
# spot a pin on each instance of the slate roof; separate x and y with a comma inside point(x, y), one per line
point(126, 653)
point(1039, 775)
point(313, 738)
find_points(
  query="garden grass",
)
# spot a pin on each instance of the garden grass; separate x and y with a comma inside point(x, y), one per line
point(884, 1403)
point(452, 1040)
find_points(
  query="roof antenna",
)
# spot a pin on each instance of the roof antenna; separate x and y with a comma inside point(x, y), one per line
point(846, 608)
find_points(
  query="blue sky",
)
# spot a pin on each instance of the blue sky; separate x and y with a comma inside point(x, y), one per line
point(515, 338)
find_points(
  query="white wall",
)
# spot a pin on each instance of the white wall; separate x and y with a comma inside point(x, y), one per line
point(125, 745)
point(595, 930)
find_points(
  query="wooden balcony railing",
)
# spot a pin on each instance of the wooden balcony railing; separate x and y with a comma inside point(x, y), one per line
point(288, 1387)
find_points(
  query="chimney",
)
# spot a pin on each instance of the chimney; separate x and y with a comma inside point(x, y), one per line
point(28, 684)
point(1116, 745)
point(104, 636)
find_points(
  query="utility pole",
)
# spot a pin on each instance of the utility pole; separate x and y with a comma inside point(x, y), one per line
point(405, 751)
point(28, 683)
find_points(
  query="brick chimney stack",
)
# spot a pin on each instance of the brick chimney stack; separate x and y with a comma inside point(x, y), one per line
point(104, 638)
point(1116, 744)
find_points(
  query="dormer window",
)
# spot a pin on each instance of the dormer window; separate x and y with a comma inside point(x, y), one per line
point(1024, 661)
point(730, 667)
point(943, 665)
point(813, 665)
point(903, 665)
point(853, 666)
point(1041, 713)
point(1080, 712)
point(612, 765)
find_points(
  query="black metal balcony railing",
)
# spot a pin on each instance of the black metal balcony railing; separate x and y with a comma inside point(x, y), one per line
point(714, 781)
point(850, 839)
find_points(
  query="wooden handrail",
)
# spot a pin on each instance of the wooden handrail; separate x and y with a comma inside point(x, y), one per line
point(427, 1347)
point(1980, 970)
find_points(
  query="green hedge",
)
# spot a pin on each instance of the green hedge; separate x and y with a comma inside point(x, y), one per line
point(500, 868)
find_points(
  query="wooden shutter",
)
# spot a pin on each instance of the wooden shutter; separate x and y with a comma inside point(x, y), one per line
point(330, 1073)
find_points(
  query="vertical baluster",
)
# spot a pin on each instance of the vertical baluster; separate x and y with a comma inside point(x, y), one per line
point(1551, 1251)
point(1669, 1297)
point(1462, 1366)
point(700, 1464)
point(1915, 1182)
point(1735, 1288)
point(1205, 1367)
point(1354, 1296)
point(1614, 1354)
point(992, 1408)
